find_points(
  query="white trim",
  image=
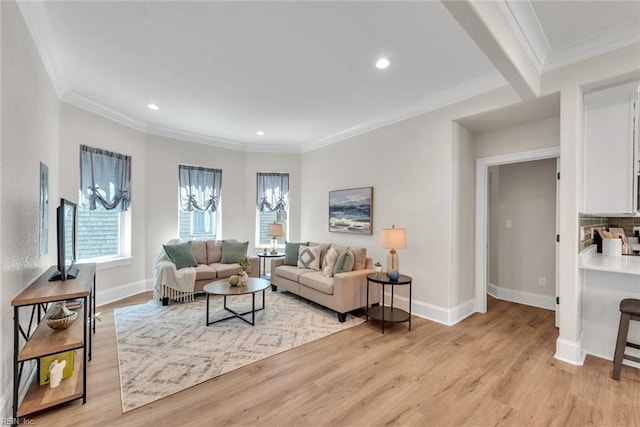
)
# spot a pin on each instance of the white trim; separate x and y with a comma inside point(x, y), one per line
point(108, 296)
point(570, 352)
point(445, 316)
point(28, 376)
point(521, 297)
point(482, 209)
point(6, 401)
point(102, 110)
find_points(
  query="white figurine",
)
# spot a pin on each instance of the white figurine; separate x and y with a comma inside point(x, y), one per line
point(55, 373)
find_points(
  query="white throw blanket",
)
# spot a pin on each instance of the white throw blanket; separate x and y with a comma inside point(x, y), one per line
point(169, 282)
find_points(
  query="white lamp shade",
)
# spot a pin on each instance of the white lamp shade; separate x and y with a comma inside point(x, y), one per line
point(394, 238)
point(274, 230)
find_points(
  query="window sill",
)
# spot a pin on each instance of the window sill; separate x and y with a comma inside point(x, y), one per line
point(103, 264)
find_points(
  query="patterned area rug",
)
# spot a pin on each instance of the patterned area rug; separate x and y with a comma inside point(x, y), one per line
point(163, 350)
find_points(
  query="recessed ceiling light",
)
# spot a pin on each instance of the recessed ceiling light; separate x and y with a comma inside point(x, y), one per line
point(383, 63)
point(153, 107)
point(260, 133)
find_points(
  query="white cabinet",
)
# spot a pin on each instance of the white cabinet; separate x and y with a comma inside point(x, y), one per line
point(612, 151)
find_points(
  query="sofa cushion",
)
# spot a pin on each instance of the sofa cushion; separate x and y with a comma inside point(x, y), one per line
point(214, 251)
point(181, 255)
point(344, 263)
point(291, 253)
point(205, 272)
point(225, 270)
point(329, 262)
point(318, 281)
point(199, 251)
point(359, 256)
point(290, 272)
point(309, 257)
point(324, 247)
point(233, 251)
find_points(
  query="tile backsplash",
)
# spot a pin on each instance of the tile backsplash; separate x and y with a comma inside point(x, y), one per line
point(587, 222)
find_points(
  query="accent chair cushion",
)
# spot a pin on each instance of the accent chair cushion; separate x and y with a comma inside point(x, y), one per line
point(344, 263)
point(309, 257)
point(233, 251)
point(329, 262)
point(181, 255)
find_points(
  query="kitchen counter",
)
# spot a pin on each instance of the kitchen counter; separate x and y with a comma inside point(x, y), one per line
point(626, 264)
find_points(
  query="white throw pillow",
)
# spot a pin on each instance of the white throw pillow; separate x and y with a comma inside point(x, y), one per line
point(309, 257)
point(329, 262)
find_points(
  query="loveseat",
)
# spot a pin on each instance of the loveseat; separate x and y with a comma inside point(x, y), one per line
point(310, 274)
point(212, 259)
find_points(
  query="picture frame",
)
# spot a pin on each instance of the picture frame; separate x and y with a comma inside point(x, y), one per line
point(351, 210)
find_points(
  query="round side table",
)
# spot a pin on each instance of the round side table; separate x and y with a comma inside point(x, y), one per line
point(389, 313)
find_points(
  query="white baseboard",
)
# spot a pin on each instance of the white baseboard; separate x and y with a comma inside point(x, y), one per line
point(29, 373)
point(570, 352)
point(114, 294)
point(6, 403)
point(522, 297)
point(446, 316)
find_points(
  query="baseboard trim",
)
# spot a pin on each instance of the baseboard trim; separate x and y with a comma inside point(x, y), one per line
point(570, 352)
point(115, 294)
point(29, 374)
point(445, 316)
point(521, 297)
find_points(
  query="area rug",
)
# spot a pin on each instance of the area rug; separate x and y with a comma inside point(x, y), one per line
point(163, 350)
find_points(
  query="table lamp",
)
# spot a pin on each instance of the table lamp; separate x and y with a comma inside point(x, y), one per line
point(393, 238)
point(274, 230)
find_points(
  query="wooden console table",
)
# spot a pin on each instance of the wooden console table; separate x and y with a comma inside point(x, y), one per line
point(40, 340)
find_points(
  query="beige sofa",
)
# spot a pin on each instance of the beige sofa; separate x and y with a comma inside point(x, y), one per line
point(342, 293)
point(209, 256)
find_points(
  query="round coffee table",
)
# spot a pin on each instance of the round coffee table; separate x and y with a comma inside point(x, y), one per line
point(222, 287)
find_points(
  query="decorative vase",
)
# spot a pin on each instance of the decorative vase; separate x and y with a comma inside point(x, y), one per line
point(243, 278)
point(62, 317)
point(393, 275)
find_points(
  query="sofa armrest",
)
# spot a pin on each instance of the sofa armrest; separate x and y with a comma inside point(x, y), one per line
point(254, 265)
point(352, 287)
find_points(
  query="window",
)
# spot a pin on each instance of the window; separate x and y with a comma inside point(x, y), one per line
point(199, 199)
point(272, 205)
point(103, 208)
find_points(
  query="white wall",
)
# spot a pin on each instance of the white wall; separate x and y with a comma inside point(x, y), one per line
point(410, 164)
point(525, 251)
point(516, 139)
point(29, 135)
point(79, 127)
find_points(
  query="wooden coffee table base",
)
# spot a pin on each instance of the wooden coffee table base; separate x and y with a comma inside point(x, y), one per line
point(223, 288)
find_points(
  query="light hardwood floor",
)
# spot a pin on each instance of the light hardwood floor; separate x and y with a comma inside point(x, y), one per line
point(491, 369)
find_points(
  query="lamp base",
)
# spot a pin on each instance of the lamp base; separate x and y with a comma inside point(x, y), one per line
point(393, 261)
point(274, 246)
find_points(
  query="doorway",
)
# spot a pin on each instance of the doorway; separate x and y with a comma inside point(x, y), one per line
point(483, 236)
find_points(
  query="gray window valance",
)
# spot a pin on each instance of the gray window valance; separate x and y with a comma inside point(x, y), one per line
point(199, 188)
point(105, 179)
point(273, 192)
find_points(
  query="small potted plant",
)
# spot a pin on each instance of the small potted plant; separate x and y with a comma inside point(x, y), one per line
point(378, 268)
point(244, 266)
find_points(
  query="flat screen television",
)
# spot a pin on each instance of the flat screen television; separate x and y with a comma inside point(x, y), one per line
point(66, 237)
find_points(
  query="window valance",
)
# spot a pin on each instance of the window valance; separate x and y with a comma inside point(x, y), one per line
point(199, 188)
point(105, 179)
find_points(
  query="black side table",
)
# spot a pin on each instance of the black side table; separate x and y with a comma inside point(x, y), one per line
point(263, 256)
point(388, 313)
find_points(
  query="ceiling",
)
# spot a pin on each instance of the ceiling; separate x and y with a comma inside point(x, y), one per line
point(301, 72)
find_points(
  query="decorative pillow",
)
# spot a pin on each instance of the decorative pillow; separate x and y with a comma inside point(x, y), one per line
point(344, 263)
point(329, 262)
point(233, 251)
point(181, 255)
point(291, 253)
point(309, 257)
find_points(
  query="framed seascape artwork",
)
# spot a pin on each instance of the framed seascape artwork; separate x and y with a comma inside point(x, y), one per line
point(350, 210)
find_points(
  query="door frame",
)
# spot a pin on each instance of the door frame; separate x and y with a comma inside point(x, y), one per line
point(482, 212)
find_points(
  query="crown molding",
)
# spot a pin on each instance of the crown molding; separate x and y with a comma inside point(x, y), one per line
point(525, 24)
point(594, 45)
point(469, 89)
point(102, 110)
point(195, 138)
point(38, 26)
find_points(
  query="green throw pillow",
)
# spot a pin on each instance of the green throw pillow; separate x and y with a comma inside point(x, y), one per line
point(291, 253)
point(233, 251)
point(344, 262)
point(181, 255)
